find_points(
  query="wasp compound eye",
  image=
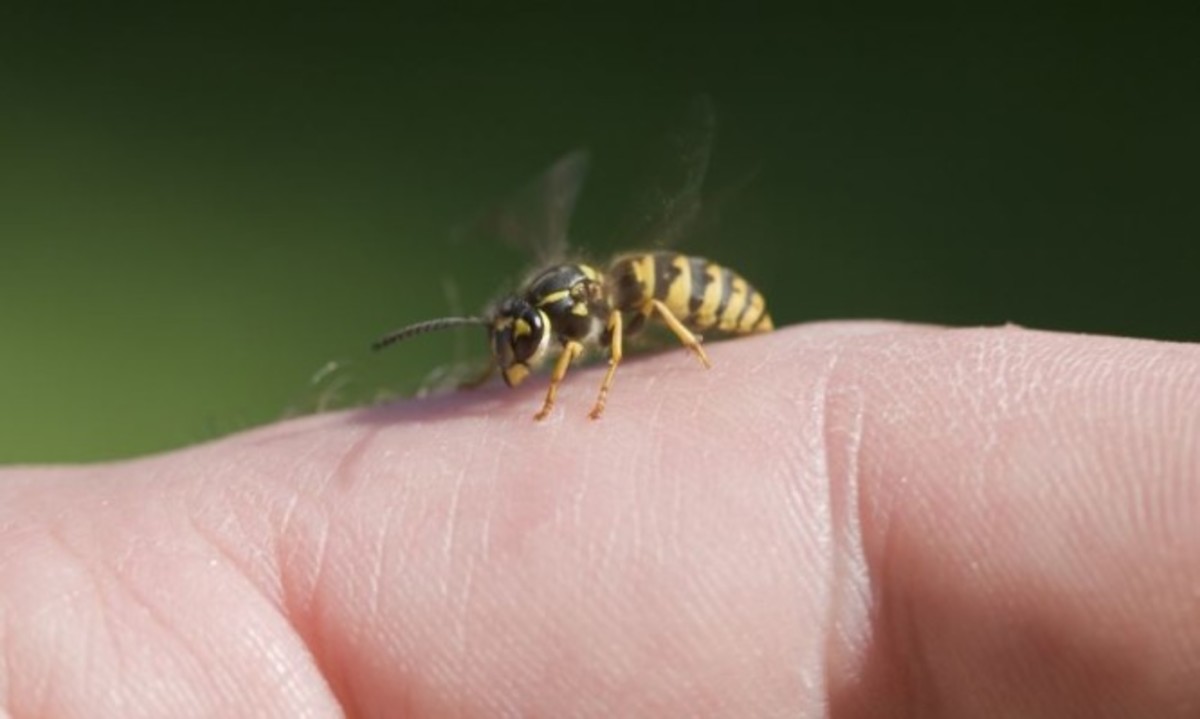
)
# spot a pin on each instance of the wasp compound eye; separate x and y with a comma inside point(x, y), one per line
point(518, 339)
point(527, 331)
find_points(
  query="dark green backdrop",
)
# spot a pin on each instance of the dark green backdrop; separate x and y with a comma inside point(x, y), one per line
point(199, 209)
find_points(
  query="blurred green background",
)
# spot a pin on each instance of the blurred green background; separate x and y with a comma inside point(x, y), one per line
point(200, 207)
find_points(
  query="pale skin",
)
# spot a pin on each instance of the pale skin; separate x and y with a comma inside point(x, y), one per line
point(837, 520)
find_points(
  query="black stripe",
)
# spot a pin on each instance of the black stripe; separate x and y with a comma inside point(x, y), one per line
point(726, 292)
point(762, 312)
point(629, 292)
point(664, 274)
point(700, 282)
point(750, 292)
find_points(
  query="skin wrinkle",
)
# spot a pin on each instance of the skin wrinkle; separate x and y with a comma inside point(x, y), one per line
point(379, 566)
point(900, 636)
point(452, 522)
point(121, 585)
point(297, 594)
point(659, 520)
point(666, 471)
point(94, 584)
point(455, 522)
point(801, 476)
point(256, 562)
point(675, 521)
point(591, 455)
point(905, 500)
point(295, 681)
point(622, 521)
point(291, 683)
point(1046, 493)
point(619, 543)
point(339, 489)
point(887, 668)
point(41, 693)
point(699, 401)
point(462, 617)
point(287, 668)
point(844, 508)
point(447, 673)
point(656, 409)
point(1001, 414)
point(635, 520)
point(611, 540)
point(232, 561)
point(348, 468)
point(706, 594)
point(105, 625)
point(284, 531)
point(36, 697)
point(559, 520)
point(315, 640)
point(490, 473)
point(37, 689)
point(223, 681)
point(578, 497)
point(399, 559)
point(764, 360)
point(269, 574)
point(295, 539)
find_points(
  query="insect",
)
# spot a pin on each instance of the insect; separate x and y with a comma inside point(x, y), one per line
point(568, 307)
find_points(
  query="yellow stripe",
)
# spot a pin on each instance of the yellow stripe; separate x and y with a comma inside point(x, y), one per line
point(757, 306)
point(737, 300)
point(589, 272)
point(553, 297)
point(706, 316)
point(643, 269)
point(680, 290)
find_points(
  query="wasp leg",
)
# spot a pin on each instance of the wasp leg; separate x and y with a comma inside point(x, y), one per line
point(571, 350)
point(683, 333)
point(615, 331)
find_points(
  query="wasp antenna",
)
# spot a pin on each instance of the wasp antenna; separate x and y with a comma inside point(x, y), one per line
point(422, 327)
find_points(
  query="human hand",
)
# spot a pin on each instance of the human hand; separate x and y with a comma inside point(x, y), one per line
point(836, 520)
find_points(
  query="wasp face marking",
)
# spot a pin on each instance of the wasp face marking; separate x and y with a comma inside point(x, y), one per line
point(519, 339)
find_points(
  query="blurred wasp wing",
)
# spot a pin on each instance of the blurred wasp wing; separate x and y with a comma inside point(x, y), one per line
point(669, 204)
point(536, 218)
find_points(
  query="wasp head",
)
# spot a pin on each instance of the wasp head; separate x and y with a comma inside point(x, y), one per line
point(519, 338)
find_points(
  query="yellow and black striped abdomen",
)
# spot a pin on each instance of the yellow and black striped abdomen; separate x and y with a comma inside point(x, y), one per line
point(701, 294)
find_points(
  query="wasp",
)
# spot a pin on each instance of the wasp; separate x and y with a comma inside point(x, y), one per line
point(568, 307)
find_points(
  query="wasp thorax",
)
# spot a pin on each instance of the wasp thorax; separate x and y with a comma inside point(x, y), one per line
point(519, 339)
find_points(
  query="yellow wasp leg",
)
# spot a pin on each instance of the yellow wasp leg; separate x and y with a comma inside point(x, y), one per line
point(572, 350)
point(683, 333)
point(615, 330)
